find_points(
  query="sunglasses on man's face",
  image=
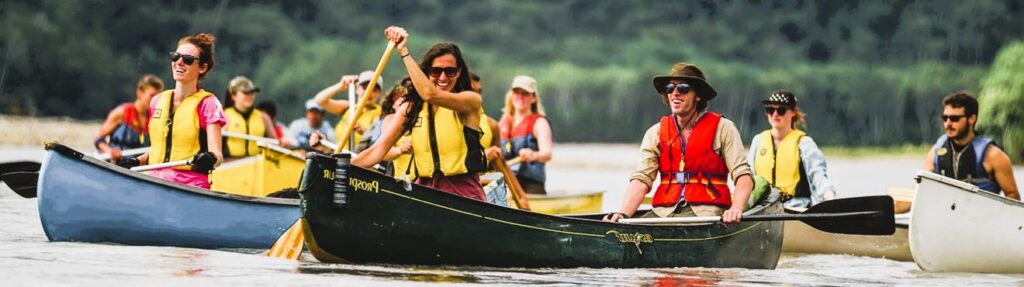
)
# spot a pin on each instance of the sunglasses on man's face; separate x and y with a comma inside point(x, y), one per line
point(682, 88)
point(449, 71)
point(954, 118)
point(189, 59)
point(772, 110)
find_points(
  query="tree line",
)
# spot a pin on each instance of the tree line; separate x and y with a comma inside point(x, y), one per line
point(865, 72)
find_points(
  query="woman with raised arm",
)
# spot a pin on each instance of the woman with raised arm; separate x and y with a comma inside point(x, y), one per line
point(185, 122)
point(442, 115)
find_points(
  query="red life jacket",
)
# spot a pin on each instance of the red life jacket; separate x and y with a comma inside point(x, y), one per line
point(704, 173)
point(132, 119)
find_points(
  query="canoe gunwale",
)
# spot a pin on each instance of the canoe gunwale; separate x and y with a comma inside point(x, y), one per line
point(966, 187)
point(74, 154)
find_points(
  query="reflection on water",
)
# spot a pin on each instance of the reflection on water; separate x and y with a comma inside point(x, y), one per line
point(27, 259)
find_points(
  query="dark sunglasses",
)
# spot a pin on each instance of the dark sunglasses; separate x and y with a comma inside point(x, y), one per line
point(682, 88)
point(189, 59)
point(772, 110)
point(436, 71)
point(954, 118)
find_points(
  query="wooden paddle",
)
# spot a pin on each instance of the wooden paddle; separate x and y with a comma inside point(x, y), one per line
point(868, 215)
point(24, 183)
point(19, 166)
point(343, 140)
point(289, 245)
point(518, 195)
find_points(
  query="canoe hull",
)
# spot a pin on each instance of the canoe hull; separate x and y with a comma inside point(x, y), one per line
point(382, 222)
point(86, 200)
point(273, 169)
point(802, 238)
point(956, 227)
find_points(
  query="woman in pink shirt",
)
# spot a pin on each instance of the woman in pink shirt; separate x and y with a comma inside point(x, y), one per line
point(185, 122)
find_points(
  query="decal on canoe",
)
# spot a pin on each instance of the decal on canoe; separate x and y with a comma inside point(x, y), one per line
point(635, 238)
point(358, 184)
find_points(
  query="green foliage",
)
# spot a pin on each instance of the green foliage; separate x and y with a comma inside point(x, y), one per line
point(1001, 99)
point(866, 73)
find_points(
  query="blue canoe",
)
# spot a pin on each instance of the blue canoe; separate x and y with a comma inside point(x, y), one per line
point(86, 200)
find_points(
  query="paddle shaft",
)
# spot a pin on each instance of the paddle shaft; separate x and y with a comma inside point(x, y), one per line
point(518, 195)
point(127, 152)
point(774, 217)
point(362, 103)
point(162, 165)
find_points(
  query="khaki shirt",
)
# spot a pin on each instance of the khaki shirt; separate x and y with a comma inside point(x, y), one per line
point(727, 144)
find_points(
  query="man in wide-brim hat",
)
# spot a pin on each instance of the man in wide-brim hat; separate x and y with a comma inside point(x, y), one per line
point(694, 151)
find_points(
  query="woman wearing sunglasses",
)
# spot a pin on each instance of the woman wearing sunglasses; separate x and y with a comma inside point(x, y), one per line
point(442, 114)
point(526, 133)
point(787, 158)
point(185, 122)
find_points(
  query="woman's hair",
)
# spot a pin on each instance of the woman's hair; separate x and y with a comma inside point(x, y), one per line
point(389, 100)
point(203, 41)
point(268, 107)
point(415, 105)
point(798, 118)
point(150, 80)
point(463, 83)
point(510, 111)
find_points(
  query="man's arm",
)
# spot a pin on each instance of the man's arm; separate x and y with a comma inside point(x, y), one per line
point(1002, 171)
point(642, 179)
point(929, 161)
point(735, 157)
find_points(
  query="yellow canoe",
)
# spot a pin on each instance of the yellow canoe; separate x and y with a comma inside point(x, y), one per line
point(574, 203)
point(273, 169)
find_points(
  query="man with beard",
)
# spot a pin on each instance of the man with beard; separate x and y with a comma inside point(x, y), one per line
point(964, 155)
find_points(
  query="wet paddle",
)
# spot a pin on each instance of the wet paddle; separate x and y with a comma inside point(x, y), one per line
point(343, 140)
point(22, 182)
point(518, 195)
point(19, 166)
point(289, 245)
point(868, 215)
point(124, 153)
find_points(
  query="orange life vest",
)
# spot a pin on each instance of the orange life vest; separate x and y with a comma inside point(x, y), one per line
point(703, 179)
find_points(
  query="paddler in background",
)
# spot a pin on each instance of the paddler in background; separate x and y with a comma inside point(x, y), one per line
point(371, 113)
point(127, 125)
point(442, 113)
point(185, 123)
point(245, 119)
point(526, 134)
point(787, 157)
point(694, 152)
point(964, 155)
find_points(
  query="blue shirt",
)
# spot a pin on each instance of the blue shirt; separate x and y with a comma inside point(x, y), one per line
point(301, 130)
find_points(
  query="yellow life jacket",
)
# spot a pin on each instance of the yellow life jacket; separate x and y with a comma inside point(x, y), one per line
point(366, 119)
point(779, 165)
point(452, 148)
point(237, 123)
point(485, 127)
point(186, 137)
point(401, 163)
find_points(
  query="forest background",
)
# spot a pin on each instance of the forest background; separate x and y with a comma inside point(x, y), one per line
point(867, 73)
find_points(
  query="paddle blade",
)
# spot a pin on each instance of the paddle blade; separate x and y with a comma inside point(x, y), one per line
point(23, 183)
point(19, 166)
point(289, 245)
point(879, 222)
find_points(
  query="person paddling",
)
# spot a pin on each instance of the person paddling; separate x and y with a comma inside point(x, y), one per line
point(787, 157)
point(370, 114)
point(127, 125)
point(526, 133)
point(964, 155)
point(244, 119)
point(185, 122)
point(694, 151)
point(442, 113)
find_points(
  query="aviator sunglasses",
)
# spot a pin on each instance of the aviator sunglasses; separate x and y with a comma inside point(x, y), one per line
point(772, 110)
point(436, 71)
point(682, 88)
point(189, 59)
point(954, 118)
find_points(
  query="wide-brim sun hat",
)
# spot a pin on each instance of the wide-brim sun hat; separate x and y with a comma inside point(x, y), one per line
point(690, 74)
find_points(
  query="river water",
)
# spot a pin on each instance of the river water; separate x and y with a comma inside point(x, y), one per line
point(28, 259)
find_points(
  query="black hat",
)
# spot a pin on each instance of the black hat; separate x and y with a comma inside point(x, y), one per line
point(781, 97)
point(692, 75)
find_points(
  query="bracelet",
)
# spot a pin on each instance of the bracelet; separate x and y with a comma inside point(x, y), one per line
point(403, 56)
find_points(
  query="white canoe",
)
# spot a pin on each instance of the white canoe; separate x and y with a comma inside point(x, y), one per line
point(957, 227)
point(799, 237)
